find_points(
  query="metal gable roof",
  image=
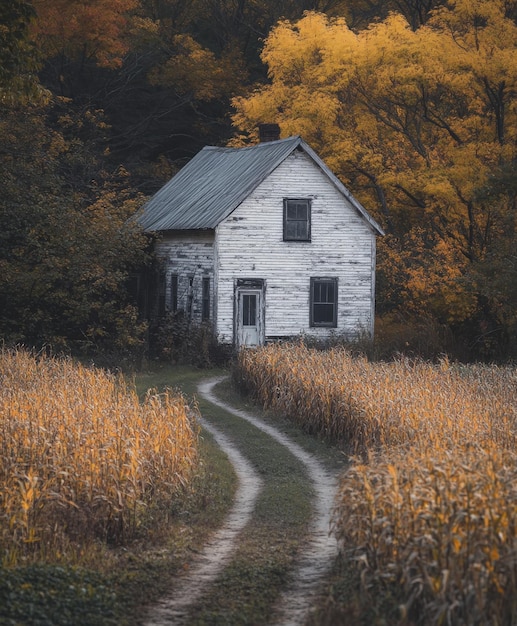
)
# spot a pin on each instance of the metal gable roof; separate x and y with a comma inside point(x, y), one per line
point(212, 185)
point(217, 180)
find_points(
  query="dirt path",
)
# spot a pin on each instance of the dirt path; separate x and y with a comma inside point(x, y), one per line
point(217, 552)
point(318, 553)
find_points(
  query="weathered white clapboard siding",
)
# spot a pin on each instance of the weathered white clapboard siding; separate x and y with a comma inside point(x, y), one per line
point(188, 254)
point(249, 244)
point(221, 217)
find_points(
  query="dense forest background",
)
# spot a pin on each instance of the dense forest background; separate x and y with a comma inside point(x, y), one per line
point(412, 103)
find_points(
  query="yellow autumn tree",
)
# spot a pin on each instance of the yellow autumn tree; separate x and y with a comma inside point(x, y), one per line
point(418, 122)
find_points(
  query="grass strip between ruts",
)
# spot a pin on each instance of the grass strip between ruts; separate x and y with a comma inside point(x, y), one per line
point(246, 590)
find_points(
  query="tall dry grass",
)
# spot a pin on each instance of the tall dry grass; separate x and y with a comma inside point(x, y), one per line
point(373, 405)
point(81, 458)
point(428, 509)
point(438, 530)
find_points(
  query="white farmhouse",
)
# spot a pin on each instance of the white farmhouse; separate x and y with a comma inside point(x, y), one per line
point(264, 242)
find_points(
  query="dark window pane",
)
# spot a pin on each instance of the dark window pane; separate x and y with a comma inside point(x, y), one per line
point(296, 230)
point(323, 302)
point(323, 313)
point(249, 310)
point(174, 293)
point(161, 294)
point(205, 313)
point(297, 211)
point(297, 220)
point(323, 292)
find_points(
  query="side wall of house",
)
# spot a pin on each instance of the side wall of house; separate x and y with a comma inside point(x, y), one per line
point(186, 260)
point(250, 245)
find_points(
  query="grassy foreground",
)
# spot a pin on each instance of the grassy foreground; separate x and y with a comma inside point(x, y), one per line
point(111, 584)
point(55, 567)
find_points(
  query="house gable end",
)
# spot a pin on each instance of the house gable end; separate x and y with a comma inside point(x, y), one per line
point(337, 260)
point(342, 189)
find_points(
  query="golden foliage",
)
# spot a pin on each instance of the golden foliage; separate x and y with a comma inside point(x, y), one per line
point(371, 405)
point(438, 527)
point(416, 122)
point(96, 29)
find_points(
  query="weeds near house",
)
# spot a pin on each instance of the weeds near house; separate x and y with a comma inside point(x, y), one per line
point(81, 458)
point(427, 512)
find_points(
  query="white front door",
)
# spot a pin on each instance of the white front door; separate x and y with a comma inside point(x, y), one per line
point(249, 317)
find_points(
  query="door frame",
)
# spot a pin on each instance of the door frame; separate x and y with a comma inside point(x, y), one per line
point(247, 286)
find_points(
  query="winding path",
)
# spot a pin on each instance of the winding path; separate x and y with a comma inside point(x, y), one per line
point(318, 553)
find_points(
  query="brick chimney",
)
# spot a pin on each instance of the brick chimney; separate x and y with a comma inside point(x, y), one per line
point(269, 132)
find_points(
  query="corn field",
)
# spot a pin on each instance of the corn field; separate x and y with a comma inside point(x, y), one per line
point(427, 510)
point(81, 457)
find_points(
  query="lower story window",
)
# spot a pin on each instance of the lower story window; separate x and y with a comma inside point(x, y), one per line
point(174, 293)
point(205, 312)
point(161, 308)
point(323, 311)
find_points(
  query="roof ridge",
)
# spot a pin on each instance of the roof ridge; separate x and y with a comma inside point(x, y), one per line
point(253, 146)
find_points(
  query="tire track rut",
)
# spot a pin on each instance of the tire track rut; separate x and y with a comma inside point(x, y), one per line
point(318, 553)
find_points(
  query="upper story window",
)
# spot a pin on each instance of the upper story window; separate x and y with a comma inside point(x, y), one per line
point(297, 219)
